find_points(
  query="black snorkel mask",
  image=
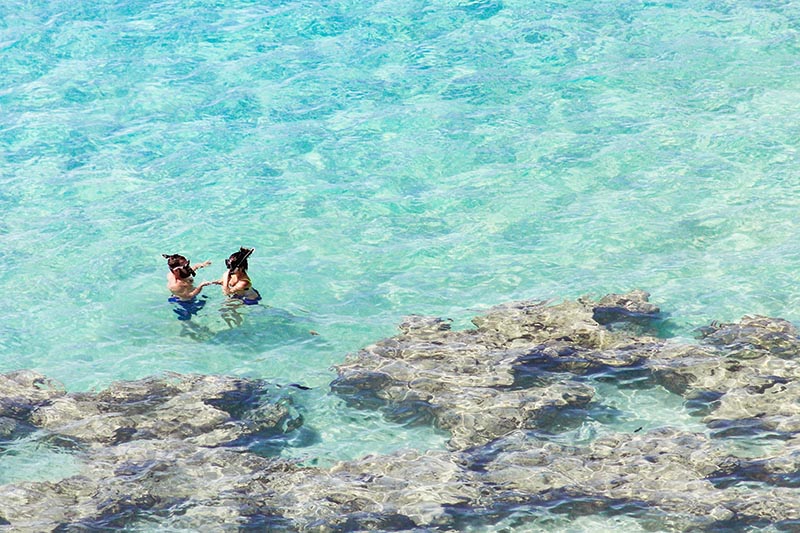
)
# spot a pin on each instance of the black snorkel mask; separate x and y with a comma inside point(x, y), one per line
point(242, 256)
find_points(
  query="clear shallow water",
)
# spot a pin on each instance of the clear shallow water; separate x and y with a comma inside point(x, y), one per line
point(383, 159)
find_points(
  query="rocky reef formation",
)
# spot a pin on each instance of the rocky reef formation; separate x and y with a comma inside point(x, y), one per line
point(205, 410)
point(175, 448)
point(472, 383)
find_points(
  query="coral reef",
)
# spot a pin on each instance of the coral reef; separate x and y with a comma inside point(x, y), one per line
point(174, 447)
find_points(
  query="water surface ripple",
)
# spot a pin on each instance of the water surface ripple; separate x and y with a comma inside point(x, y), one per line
point(384, 159)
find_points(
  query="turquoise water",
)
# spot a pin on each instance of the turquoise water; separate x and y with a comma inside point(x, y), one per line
point(384, 158)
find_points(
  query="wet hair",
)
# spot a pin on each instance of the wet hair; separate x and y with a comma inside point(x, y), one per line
point(238, 260)
point(175, 260)
point(184, 271)
point(179, 265)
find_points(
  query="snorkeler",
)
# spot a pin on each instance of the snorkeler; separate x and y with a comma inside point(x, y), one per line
point(235, 282)
point(180, 282)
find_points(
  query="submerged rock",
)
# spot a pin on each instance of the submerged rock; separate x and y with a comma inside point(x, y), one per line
point(22, 391)
point(146, 446)
point(753, 337)
point(173, 449)
point(663, 477)
point(468, 382)
point(744, 375)
point(666, 470)
point(207, 410)
point(129, 480)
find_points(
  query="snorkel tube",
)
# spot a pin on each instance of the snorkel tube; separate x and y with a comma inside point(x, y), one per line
point(242, 254)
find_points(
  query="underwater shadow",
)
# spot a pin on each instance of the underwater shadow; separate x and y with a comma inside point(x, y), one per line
point(252, 329)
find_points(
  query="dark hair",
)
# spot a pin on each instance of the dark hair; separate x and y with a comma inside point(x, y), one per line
point(184, 271)
point(179, 265)
point(175, 260)
point(238, 260)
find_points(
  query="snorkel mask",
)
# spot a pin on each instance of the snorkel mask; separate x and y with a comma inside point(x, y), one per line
point(181, 265)
point(239, 259)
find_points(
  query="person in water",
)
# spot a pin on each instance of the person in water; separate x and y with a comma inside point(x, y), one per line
point(235, 282)
point(180, 282)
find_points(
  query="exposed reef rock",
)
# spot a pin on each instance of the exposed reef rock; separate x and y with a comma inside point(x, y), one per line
point(22, 391)
point(173, 449)
point(742, 376)
point(468, 382)
point(207, 410)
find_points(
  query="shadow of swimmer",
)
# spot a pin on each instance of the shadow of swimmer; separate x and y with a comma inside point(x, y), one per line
point(253, 328)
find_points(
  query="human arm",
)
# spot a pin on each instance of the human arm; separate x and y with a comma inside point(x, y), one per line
point(201, 265)
point(239, 286)
point(197, 290)
point(224, 282)
point(234, 283)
